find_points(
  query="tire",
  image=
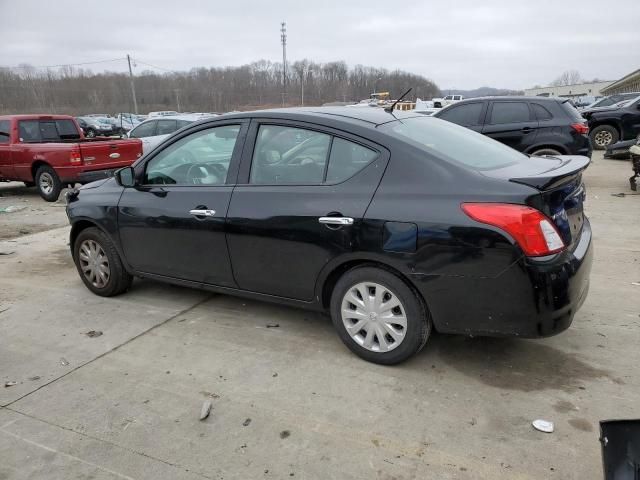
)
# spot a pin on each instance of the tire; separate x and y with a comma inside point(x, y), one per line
point(48, 183)
point(90, 133)
point(92, 249)
point(603, 136)
point(410, 339)
point(546, 151)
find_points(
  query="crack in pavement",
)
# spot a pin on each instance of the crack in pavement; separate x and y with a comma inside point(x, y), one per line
point(144, 332)
point(97, 439)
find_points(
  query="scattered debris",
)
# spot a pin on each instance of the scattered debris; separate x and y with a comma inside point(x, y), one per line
point(7, 253)
point(273, 325)
point(11, 209)
point(543, 426)
point(285, 434)
point(206, 409)
point(275, 375)
point(601, 334)
point(473, 421)
point(637, 284)
point(246, 422)
point(24, 231)
point(9, 384)
point(33, 379)
point(63, 362)
point(622, 194)
point(93, 333)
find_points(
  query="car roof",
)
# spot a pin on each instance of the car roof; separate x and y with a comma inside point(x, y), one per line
point(372, 116)
point(193, 118)
point(515, 98)
point(36, 116)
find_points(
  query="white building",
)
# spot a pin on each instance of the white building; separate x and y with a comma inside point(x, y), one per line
point(569, 91)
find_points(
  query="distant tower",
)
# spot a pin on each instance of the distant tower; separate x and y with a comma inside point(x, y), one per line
point(283, 39)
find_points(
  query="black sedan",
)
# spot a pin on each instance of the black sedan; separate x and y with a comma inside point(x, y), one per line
point(395, 223)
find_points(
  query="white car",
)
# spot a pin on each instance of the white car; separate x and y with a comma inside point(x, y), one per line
point(155, 129)
point(165, 113)
point(448, 100)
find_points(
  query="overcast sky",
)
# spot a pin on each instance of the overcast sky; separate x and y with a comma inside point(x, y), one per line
point(458, 44)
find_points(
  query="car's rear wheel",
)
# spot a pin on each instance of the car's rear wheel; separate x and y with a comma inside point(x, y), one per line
point(603, 136)
point(546, 151)
point(48, 183)
point(90, 133)
point(99, 264)
point(379, 316)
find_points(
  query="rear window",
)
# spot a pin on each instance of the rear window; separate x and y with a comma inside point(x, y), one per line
point(453, 143)
point(67, 129)
point(570, 110)
point(509, 112)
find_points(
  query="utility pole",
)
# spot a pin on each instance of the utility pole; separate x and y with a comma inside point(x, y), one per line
point(283, 39)
point(133, 87)
point(177, 92)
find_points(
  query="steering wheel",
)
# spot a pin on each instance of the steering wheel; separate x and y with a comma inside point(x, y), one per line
point(196, 173)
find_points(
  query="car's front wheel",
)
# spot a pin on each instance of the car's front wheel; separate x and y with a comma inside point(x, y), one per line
point(99, 263)
point(379, 316)
point(603, 136)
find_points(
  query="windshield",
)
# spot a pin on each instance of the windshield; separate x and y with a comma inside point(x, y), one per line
point(453, 143)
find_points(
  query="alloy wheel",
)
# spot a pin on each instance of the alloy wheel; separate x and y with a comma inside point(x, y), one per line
point(374, 317)
point(603, 138)
point(94, 263)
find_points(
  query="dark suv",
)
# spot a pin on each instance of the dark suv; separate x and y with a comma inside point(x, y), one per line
point(532, 125)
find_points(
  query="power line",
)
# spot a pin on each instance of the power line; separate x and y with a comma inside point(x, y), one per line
point(154, 66)
point(68, 64)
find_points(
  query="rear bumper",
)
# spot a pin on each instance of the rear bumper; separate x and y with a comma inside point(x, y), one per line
point(84, 173)
point(532, 298)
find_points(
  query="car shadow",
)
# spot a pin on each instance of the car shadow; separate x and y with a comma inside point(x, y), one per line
point(510, 363)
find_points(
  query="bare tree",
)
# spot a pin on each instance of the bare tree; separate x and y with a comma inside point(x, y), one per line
point(569, 77)
point(258, 85)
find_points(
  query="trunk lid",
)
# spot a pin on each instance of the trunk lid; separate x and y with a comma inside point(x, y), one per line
point(105, 154)
point(561, 190)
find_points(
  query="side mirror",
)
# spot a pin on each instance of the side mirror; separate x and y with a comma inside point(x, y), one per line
point(126, 177)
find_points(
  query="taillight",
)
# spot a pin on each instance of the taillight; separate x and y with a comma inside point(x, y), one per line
point(580, 128)
point(533, 231)
point(75, 157)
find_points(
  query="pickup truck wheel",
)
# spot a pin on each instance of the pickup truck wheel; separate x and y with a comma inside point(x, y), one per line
point(48, 183)
point(603, 136)
point(99, 264)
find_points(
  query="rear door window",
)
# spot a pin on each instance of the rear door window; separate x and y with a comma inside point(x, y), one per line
point(143, 130)
point(541, 112)
point(166, 127)
point(346, 159)
point(467, 114)
point(4, 131)
point(509, 112)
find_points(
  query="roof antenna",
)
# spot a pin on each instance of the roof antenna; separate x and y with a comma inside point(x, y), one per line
point(390, 109)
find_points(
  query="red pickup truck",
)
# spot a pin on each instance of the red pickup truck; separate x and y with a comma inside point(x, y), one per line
point(50, 151)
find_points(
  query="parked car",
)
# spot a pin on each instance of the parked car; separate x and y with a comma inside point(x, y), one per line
point(94, 126)
point(613, 99)
point(610, 125)
point(396, 224)
point(585, 101)
point(50, 150)
point(154, 130)
point(531, 125)
point(127, 121)
point(165, 113)
point(448, 100)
